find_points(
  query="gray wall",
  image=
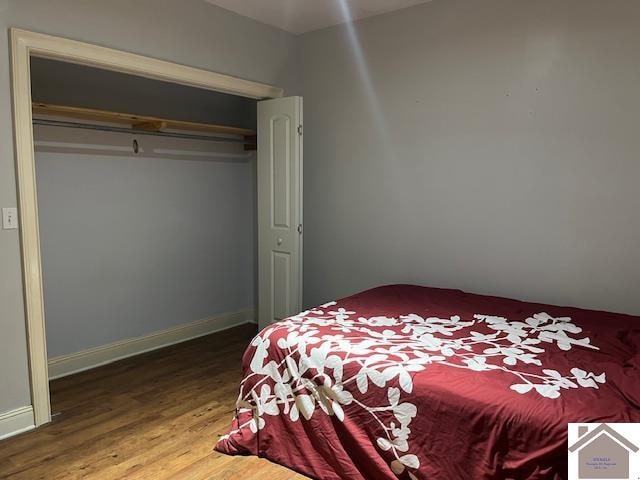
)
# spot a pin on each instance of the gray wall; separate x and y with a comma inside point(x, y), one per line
point(190, 32)
point(495, 149)
point(76, 85)
point(134, 244)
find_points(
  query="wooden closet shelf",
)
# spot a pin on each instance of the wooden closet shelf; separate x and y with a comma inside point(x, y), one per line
point(142, 122)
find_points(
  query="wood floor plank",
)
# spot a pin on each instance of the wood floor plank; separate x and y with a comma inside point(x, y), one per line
point(154, 416)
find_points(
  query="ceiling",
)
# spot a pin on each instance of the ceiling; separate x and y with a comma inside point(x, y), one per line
point(300, 16)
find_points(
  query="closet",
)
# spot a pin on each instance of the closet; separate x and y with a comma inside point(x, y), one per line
point(156, 214)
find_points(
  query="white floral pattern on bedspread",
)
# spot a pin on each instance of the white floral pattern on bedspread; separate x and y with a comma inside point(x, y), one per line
point(311, 374)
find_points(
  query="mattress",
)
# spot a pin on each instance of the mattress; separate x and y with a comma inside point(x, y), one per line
point(408, 382)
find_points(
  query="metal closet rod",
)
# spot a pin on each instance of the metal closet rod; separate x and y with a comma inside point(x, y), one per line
point(129, 131)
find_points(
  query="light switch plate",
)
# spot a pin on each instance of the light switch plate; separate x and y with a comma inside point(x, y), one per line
point(9, 218)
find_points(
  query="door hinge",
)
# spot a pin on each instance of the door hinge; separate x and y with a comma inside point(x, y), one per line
point(299, 129)
point(300, 228)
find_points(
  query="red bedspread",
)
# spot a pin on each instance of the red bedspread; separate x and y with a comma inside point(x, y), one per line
point(420, 383)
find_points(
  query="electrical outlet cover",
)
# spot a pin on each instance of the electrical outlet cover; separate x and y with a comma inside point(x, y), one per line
point(9, 218)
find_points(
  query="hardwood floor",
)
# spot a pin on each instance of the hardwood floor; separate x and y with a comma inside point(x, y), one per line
point(154, 416)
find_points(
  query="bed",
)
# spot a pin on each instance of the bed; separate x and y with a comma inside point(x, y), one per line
point(408, 382)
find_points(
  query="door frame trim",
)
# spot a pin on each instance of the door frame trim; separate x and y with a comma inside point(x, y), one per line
point(25, 44)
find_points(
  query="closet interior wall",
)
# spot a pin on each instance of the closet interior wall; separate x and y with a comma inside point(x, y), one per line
point(135, 243)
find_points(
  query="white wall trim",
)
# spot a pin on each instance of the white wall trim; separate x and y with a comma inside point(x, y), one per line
point(25, 44)
point(65, 49)
point(94, 357)
point(16, 421)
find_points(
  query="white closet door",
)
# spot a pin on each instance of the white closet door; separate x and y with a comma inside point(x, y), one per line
point(279, 209)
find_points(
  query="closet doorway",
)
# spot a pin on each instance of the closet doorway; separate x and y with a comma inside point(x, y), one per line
point(278, 167)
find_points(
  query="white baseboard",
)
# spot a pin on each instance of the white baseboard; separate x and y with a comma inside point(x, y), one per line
point(97, 356)
point(16, 421)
